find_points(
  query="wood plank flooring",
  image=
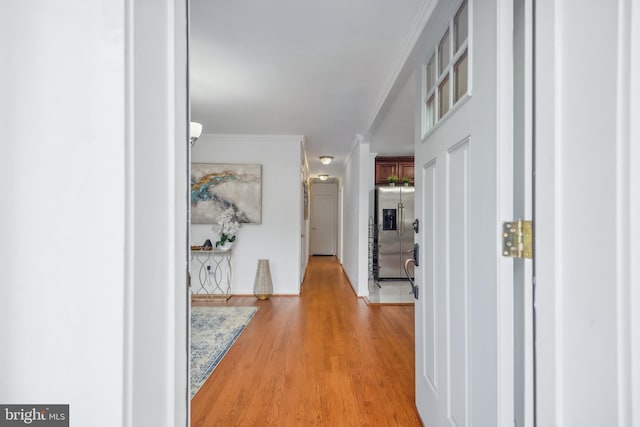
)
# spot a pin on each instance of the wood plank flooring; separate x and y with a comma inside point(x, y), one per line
point(324, 358)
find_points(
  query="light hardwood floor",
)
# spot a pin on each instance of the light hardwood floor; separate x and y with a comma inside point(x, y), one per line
point(324, 358)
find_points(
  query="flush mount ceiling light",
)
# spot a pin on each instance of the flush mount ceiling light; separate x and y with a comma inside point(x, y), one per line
point(326, 159)
point(195, 130)
point(323, 177)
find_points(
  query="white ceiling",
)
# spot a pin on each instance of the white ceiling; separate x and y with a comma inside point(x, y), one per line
point(321, 69)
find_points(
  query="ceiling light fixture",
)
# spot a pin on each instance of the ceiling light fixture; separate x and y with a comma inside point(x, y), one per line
point(195, 130)
point(323, 177)
point(326, 159)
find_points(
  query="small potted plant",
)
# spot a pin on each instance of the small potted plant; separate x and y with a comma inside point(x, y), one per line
point(392, 179)
point(405, 181)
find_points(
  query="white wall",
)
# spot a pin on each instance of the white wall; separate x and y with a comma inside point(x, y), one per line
point(358, 177)
point(62, 222)
point(396, 122)
point(70, 329)
point(278, 237)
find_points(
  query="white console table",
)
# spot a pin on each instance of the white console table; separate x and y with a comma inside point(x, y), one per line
point(213, 270)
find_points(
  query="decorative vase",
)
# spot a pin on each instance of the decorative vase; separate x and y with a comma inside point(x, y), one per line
point(263, 286)
point(406, 184)
point(392, 184)
point(226, 246)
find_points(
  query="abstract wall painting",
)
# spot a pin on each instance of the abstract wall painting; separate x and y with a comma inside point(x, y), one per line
point(216, 187)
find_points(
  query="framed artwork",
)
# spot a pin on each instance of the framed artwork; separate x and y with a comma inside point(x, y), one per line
point(216, 187)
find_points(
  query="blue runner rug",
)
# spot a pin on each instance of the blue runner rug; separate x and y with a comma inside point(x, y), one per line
point(213, 332)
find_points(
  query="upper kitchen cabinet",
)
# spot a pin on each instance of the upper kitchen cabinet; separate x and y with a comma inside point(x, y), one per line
point(399, 166)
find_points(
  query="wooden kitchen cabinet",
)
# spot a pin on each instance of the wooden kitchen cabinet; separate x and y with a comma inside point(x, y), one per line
point(400, 166)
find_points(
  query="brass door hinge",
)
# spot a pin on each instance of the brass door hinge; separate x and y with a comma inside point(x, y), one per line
point(517, 239)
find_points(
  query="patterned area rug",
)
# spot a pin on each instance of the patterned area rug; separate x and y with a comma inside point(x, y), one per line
point(213, 332)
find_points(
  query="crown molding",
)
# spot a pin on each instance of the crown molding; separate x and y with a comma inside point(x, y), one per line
point(253, 137)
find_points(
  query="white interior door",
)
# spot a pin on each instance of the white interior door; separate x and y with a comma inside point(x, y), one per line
point(464, 314)
point(323, 221)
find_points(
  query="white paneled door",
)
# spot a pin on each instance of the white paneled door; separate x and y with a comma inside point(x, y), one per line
point(323, 220)
point(464, 320)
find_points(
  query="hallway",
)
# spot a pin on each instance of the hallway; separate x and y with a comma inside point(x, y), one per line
point(324, 358)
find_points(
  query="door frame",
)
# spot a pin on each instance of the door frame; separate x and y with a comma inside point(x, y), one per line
point(599, 186)
point(523, 209)
point(156, 297)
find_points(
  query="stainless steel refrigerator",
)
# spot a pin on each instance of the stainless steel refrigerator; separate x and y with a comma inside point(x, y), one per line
point(394, 241)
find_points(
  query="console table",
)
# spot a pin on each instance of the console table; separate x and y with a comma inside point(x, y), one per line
point(214, 274)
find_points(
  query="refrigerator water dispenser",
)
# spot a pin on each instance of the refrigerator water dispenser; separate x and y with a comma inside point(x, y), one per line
point(389, 219)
